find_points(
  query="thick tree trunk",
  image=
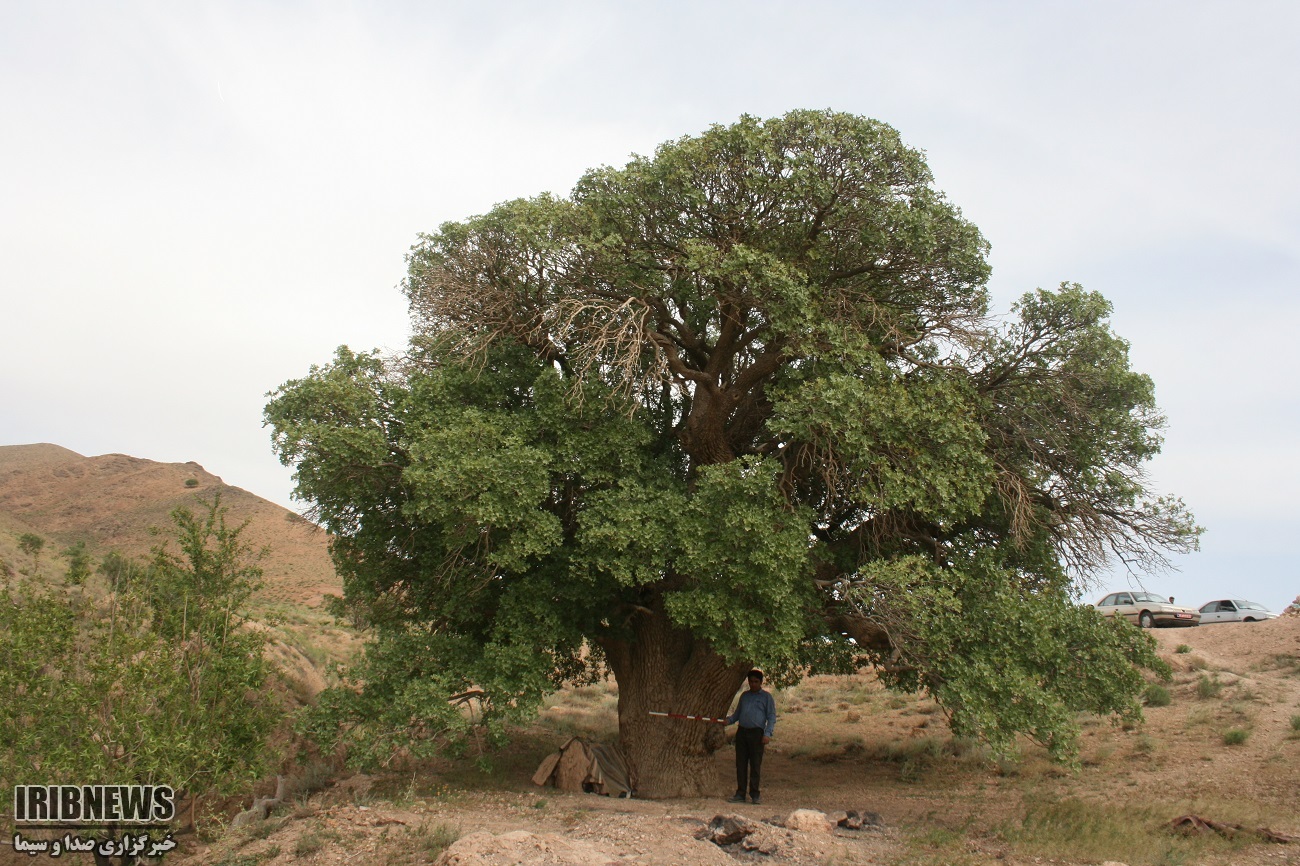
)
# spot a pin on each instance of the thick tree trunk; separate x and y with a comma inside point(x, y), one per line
point(666, 670)
point(704, 433)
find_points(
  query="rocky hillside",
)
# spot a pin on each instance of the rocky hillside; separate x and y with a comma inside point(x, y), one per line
point(111, 502)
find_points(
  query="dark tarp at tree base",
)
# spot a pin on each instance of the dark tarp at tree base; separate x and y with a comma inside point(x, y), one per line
point(581, 766)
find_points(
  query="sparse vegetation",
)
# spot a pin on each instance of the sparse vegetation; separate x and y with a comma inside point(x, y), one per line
point(1208, 686)
point(191, 482)
point(309, 843)
point(1287, 662)
point(432, 840)
point(1183, 648)
point(32, 544)
point(1235, 736)
point(1080, 829)
point(1295, 724)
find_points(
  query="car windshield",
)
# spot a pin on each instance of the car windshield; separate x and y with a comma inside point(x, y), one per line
point(1148, 596)
point(1248, 605)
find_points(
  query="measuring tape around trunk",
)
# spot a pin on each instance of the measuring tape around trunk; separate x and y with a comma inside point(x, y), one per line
point(690, 718)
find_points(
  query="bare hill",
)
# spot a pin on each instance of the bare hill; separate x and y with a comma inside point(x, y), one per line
point(113, 501)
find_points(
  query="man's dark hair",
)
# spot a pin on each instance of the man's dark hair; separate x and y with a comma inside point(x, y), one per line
point(754, 673)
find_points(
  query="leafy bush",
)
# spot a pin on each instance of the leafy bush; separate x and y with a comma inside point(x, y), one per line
point(1235, 736)
point(78, 564)
point(1156, 695)
point(158, 682)
point(191, 482)
point(1183, 648)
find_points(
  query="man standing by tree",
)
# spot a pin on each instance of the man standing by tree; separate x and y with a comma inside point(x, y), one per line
point(756, 716)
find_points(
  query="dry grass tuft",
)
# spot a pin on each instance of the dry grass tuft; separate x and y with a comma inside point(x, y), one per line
point(1079, 829)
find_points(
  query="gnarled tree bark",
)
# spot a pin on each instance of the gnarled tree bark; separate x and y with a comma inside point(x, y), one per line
point(664, 669)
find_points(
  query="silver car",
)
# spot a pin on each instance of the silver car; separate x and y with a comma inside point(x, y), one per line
point(1235, 610)
point(1146, 609)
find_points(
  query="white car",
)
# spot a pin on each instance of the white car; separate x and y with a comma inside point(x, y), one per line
point(1235, 610)
point(1147, 610)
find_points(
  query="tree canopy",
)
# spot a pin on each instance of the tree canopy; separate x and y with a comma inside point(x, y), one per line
point(738, 403)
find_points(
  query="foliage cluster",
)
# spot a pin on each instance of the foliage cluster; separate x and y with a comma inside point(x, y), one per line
point(154, 680)
point(1156, 695)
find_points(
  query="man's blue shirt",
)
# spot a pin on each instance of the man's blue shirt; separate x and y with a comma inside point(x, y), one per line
point(755, 710)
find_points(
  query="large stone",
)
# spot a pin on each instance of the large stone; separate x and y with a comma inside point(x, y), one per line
point(727, 829)
point(764, 840)
point(808, 821)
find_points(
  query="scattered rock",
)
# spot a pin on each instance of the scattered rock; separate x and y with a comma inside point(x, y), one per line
point(727, 829)
point(855, 820)
point(521, 848)
point(764, 840)
point(808, 821)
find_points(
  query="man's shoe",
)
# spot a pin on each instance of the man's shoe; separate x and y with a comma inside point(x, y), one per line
point(736, 798)
point(757, 801)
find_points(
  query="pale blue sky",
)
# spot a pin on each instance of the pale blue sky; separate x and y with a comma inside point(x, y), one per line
point(198, 201)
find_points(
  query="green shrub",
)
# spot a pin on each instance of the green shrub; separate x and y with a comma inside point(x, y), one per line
point(78, 564)
point(1235, 736)
point(1156, 695)
point(1208, 687)
point(1183, 648)
point(173, 666)
point(191, 482)
point(1295, 724)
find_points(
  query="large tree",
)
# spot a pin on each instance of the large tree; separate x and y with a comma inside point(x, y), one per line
point(739, 403)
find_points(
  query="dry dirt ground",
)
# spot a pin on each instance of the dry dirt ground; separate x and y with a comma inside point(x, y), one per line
point(844, 743)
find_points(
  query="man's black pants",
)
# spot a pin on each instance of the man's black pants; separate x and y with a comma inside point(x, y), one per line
point(749, 760)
